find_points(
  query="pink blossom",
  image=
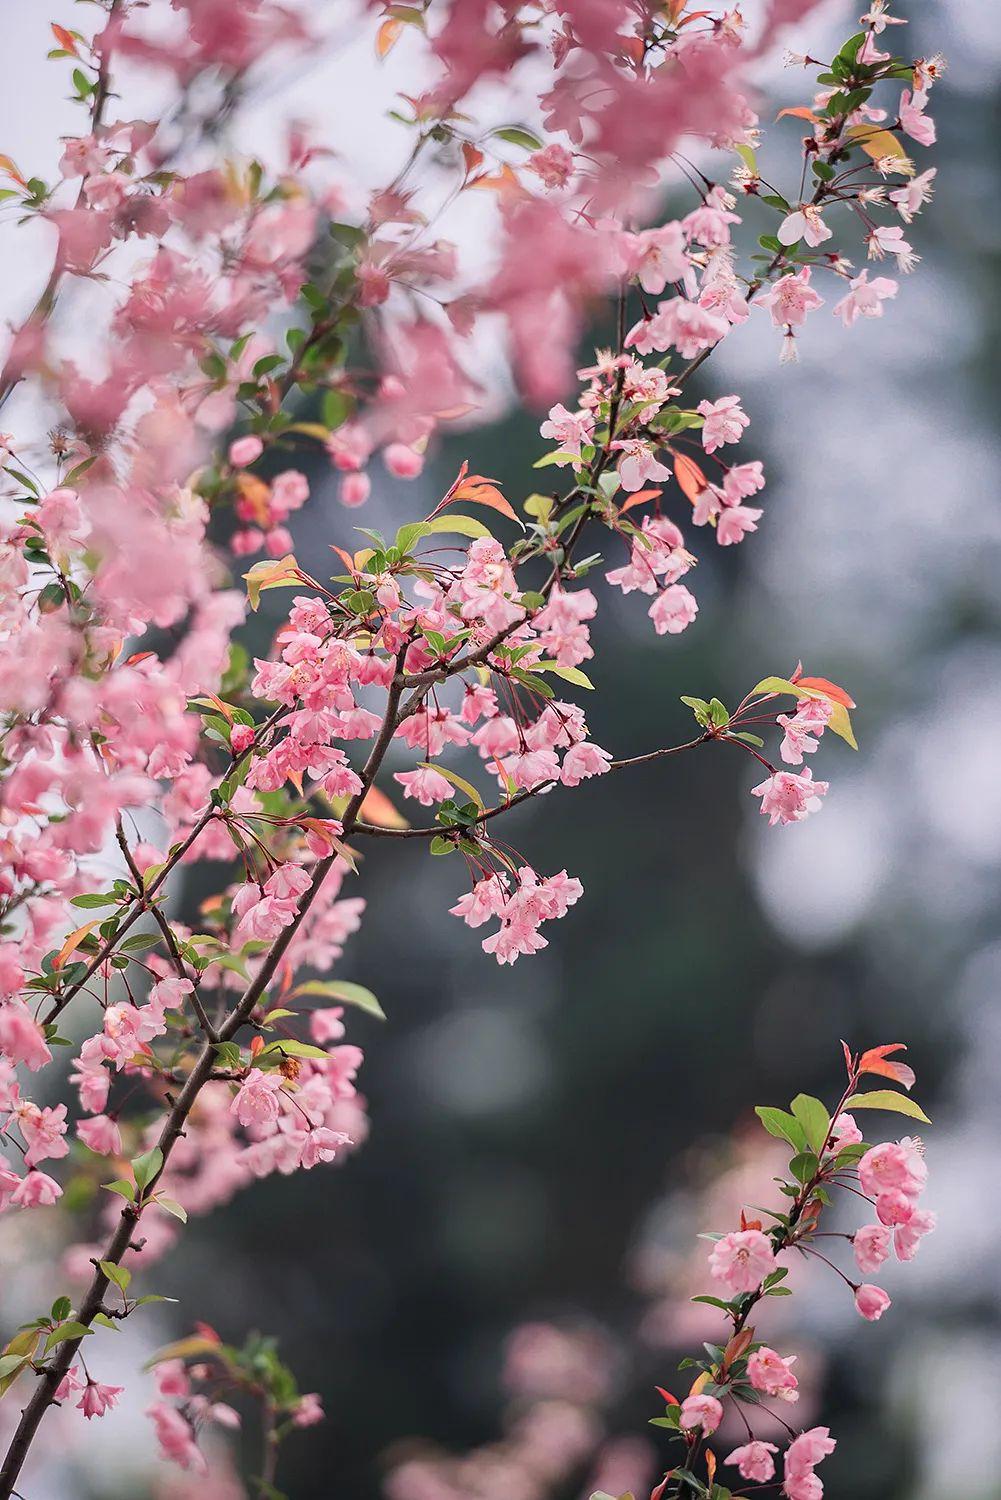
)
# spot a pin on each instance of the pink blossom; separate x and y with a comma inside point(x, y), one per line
point(554, 164)
point(355, 489)
point(871, 1245)
point(907, 1237)
point(257, 1100)
point(909, 199)
point(97, 1399)
point(176, 1438)
point(845, 1132)
point(734, 522)
point(724, 422)
point(894, 1164)
point(37, 1190)
point(790, 299)
point(742, 1259)
point(871, 1301)
point(894, 1207)
point(638, 465)
point(308, 1411)
point(754, 1460)
point(401, 461)
point(803, 730)
point(888, 239)
point(583, 761)
point(659, 256)
point(426, 784)
point(789, 798)
point(800, 1458)
point(865, 298)
point(700, 1411)
point(21, 1038)
point(913, 120)
point(673, 610)
point(44, 1131)
point(245, 451)
point(69, 1384)
point(569, 430)
point(101, 1134)
point(771, 1373)
point(803, 224)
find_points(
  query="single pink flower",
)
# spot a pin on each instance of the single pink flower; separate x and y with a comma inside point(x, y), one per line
point(700, 1411)
point(742, 1259)
point(97, 1399)
point(754, 1460)
point(871, 1245)
point(244, 451)
point(771, 1373)
point(871, 1301)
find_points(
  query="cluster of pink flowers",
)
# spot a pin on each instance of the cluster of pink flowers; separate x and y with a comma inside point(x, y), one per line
point(746, 1269)
point(895, 1175)
point(125, 700)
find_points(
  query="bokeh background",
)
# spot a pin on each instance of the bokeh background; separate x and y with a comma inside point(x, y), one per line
point(543, 1136)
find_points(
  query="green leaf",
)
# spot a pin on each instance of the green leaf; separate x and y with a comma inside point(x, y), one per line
point(462, 525)
point(777, 685)
point(553, 458)
point(152, 1297)
point(700, 708)
point(123, 1189)
point(814, 1119)
point(518, 136)
point(718, 714)
point(456, 780)
point(170, 1206)
point(783, 1125)
point(146, 1166)
point(341, 989)
point(118, 1274)
point(569, 674)
point(94, 900)
point(890, 1100)
point(803, 1166)
point(64, 1333)
point(106, 1322)
point(11, 1362)
point(288, 1047)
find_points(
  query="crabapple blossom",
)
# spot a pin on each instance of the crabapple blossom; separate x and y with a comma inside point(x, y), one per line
point(754, 1460)
point(704, 1412)
point(741, 1260)
point(871, 1301)
point(770, 1373)
point(432, 654)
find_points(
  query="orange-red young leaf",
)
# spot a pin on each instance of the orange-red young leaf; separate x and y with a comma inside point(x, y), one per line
point(480, 491)
point(801, 112)
point(689, 476)
point(640, 498)
point(65, 38)
point(387, 36)
point(876, 1060)
point(73, 942)
point(472, 157)
point(671, 1400)
point(378, 809)
point(8, 166)
point(829, 689)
